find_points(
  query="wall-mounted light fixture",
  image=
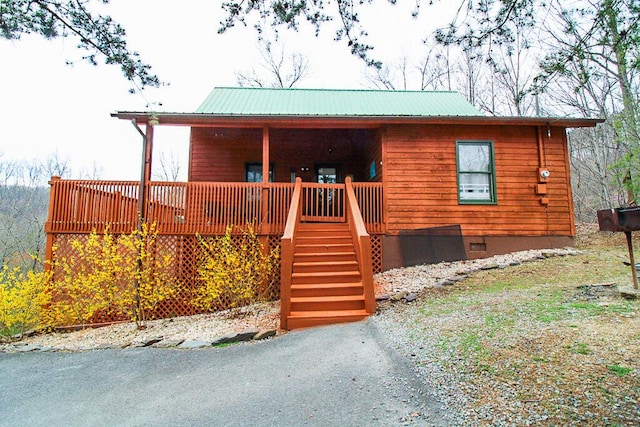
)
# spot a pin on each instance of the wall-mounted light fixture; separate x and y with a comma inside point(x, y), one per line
point(304, 169)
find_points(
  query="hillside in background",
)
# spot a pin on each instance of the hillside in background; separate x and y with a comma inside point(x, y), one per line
point(23, 212)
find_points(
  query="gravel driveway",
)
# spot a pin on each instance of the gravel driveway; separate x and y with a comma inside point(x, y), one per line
point(337, 375)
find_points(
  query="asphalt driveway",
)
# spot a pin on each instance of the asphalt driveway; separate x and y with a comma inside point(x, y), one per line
point(342, 375)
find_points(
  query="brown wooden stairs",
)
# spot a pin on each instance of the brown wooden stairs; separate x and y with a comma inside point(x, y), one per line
point(327, 274)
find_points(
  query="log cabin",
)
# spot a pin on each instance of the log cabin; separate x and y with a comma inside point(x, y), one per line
point(347, 182)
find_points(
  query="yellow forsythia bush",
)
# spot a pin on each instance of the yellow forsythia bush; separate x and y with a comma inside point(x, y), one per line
point(234, 271)
point(22, 298)
point(113, 275)
point(154, 275)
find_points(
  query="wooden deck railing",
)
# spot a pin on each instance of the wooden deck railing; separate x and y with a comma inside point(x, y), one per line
point(287, 244)
point(370, 202)
point(322, 202)
point(362, 245)
point(80, 206)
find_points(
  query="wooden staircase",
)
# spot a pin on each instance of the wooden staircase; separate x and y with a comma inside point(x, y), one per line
point(326, 284)
point(326, 269)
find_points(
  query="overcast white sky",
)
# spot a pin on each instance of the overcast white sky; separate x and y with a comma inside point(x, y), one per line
point(47, 106)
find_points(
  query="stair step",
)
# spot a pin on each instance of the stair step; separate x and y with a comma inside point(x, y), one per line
point(325, 266)
point(332, 256)
point(324, 303)
point(307, 226)
point(324, 240)
point(327, 232)
point(326, 289)
point(305, 319)
point(322, 247)
point(325, 277)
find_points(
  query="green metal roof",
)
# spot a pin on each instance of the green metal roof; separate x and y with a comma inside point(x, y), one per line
point(334, 103)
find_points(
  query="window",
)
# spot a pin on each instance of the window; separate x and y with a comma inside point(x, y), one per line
point(476, 172)
point(253, 172)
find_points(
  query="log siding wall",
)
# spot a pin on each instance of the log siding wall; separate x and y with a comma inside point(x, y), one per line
point(417, 165)
point(421, 185)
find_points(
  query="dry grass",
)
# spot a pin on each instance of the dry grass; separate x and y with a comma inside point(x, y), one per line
point(545, 343)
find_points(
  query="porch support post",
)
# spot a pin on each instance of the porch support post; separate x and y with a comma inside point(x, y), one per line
point(148, 153)
point(265, 154)
point(266, 228)
point(145, 170)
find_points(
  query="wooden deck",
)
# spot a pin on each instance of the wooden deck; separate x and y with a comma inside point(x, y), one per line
point(316, 286)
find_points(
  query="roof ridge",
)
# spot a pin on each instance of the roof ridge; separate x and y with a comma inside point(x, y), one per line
point(333, 89)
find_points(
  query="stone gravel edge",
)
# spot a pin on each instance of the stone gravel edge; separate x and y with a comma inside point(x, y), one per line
point(155, 342)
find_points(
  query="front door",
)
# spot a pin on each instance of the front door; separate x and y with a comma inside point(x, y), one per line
point(327, 173)
point(329, 197)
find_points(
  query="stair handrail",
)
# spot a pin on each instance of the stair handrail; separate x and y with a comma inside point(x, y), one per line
point(287, 244)
point(362, 246)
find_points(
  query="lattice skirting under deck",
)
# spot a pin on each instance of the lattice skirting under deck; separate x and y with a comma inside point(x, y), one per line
point(185, 253)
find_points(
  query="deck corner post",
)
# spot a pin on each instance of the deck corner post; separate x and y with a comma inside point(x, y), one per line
point(48, 226)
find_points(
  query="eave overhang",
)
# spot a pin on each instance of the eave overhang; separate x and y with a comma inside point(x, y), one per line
point(299, 121)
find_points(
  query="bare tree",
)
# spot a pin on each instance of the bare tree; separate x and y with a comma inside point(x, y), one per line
point(381, 78)
point(514, 68)
point(54, 165)
point(170, 167)
point(433, 69)
point(595, 185)
point(593, 71)
point(391, 77)
point(278, 69)
point(471, 71)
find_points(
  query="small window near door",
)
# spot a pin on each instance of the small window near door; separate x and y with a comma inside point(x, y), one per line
point(253, 172)
point(476, 172)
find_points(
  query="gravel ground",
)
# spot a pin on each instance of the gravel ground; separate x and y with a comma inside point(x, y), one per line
point(395, 322)
point(202, 327)
point(416, 279)
point(551, 353)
